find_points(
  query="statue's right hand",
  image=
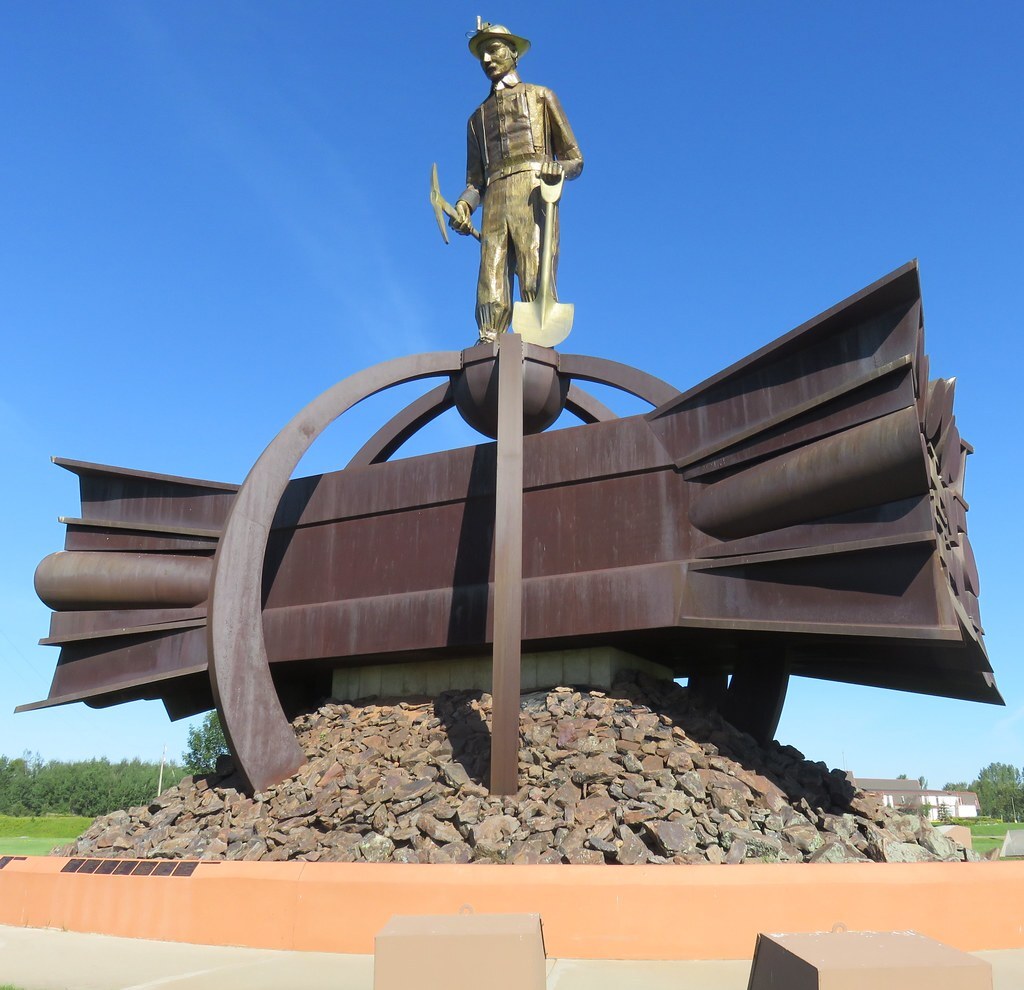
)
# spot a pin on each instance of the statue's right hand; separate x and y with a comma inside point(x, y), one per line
point(460, 223)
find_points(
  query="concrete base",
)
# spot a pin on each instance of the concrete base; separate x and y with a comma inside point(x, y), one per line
point(880, 960)
point(588, 912)
point(452, 951)
point(598, 667)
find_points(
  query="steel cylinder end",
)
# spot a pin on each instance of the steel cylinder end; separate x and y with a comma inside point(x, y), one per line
point(73, 580)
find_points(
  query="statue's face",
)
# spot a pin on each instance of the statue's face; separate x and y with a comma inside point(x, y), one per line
point(497, 60)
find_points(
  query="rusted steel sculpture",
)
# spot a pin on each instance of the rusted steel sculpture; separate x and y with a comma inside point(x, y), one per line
point(801, 512)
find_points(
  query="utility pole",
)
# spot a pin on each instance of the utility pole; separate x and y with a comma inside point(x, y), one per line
point(160, 780)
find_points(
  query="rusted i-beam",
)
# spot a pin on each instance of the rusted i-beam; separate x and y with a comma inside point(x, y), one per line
point(508, 568)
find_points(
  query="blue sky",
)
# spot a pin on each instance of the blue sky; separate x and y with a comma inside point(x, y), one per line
point(210, 212)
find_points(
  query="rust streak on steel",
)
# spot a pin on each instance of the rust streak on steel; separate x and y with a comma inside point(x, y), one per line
point(508, 569)
point(251, 714)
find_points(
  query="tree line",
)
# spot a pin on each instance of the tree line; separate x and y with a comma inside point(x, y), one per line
point(1000, 790)
point(30, 786)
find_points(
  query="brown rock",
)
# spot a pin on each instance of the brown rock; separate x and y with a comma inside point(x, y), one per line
point(585, 857)
point(830, 852)
point(440, 832)
point(602, 844)
point(455, 774)
point(679, 760)
point(671, 838)
point(591, 810)
point(491, 837)
point(938, 844)
point(382, 783)
point(737, 853)
point(670, 800)
point(631, 849)
point(905, 852)
point(714, 854)
point(594, 768)
point(409, 790)
point(529, 851)
point(376, 848)
point(452, 852)
point(757, 846)
point(805, 837)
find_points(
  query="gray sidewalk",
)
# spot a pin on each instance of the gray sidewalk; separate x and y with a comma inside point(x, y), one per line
point(46, 959)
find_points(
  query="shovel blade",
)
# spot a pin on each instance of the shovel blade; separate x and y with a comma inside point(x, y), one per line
point(547, 325)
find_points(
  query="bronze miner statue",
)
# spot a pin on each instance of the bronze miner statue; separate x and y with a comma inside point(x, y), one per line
point(519, 149)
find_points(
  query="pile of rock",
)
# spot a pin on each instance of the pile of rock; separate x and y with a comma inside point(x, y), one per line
point(640, 775)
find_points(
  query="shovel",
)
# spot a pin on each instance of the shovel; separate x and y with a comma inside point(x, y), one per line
point(545, 321)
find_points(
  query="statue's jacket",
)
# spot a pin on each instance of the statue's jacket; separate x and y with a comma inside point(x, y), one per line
point(516, 129)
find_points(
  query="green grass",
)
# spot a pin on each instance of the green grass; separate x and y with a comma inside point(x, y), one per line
point(37, 836)
point(29, 847)
point(63, 826)
point(989, 837)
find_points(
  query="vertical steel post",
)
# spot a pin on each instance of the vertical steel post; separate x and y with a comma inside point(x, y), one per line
point(508, 569)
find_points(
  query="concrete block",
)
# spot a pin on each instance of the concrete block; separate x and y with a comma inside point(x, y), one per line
point(1013, 843)
point(460, 952)
point(369, 682)
point(595, 667)
point(439, 679)
point(849, 960)
point(576, 668)
point(528, 680)
point(958, 833)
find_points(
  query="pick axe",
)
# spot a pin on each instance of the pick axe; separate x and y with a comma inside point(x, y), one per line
point(442, 206)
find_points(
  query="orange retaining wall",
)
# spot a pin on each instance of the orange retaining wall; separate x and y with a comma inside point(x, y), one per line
point(589, 912)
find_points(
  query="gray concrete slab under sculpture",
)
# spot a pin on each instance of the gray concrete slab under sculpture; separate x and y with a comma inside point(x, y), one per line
point(47, 959)
point(596, 667)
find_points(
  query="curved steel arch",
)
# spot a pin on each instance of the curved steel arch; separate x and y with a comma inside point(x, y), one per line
point(586, 407)
point(403, 426)
point(618, 375)
point(251, 714)
point(414, 417)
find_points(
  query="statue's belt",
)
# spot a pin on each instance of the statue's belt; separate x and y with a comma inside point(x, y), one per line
point(516, 163)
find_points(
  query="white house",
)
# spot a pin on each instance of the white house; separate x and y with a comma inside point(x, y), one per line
point(910, 795)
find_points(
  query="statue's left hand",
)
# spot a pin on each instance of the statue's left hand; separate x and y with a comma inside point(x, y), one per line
point(551, 170)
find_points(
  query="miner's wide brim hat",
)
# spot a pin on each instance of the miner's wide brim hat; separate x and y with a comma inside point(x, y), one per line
point(490, 32)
